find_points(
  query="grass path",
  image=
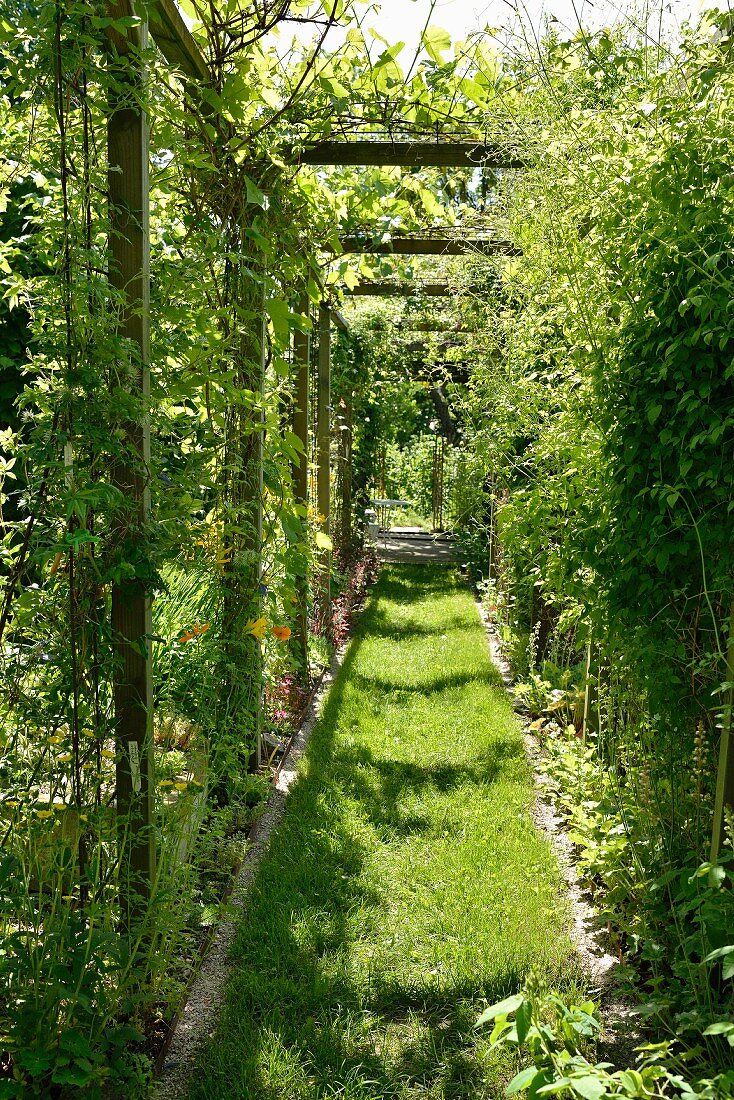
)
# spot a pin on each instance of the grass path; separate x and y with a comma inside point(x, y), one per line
point(406, 883)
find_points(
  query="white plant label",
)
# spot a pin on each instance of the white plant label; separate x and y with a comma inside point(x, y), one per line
point(134, 753)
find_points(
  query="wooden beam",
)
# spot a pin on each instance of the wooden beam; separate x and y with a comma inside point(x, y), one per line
point(385, 289)
point(129, 274)
point(407, 154)
point(176, 42)
point(323, 451)
point(436, 326)
point(428, 246)
point(340, 321)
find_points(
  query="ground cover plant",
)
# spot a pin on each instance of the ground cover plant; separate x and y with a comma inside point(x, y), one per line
point(389, 902)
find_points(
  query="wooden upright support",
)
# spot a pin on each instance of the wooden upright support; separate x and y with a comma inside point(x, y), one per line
point(591, 702)
point(323, 474)
point(131, 605)
point(241, 506)
point(724, 801)
point(345, 476)
point(301, 362)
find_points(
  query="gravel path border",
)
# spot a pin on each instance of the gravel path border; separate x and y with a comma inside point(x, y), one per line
point(620, 1029)
point(198, 1019)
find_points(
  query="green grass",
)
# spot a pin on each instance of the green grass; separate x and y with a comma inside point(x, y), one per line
point(406, 885)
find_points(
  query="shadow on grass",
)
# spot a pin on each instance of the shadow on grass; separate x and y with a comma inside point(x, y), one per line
point(434, 685)
point(381, 784)
point(306, 1016)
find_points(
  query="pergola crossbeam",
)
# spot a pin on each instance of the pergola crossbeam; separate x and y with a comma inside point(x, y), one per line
point(176, 42)
point(377, 289)
point(428, 246)
point(407, 154)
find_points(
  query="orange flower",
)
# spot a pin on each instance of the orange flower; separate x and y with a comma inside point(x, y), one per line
point(257, 628)
point(282, 633)
point(201, 629)
point(186, 637)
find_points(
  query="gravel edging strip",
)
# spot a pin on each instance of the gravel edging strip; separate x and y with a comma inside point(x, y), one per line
point(620, 1034)
point(200, 1014)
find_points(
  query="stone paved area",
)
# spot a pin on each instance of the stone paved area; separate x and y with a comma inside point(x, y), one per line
point(411, 544)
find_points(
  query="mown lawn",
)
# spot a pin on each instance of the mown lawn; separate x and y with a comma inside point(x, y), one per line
point(406, 885)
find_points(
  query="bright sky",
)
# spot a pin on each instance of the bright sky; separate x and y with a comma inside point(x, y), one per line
point(403, 20)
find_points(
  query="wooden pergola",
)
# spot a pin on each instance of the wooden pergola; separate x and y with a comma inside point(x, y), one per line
point(129, 248)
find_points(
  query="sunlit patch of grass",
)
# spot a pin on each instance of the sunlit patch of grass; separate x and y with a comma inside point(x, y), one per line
point(407, 883)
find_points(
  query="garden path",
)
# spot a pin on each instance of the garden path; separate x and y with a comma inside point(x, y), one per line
point(406, 885)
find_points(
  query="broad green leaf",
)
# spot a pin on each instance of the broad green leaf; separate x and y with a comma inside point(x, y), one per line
point(591, 1088)
point(254, 195)
point(522, 1080)
point(436, 41)
point(502, 1008)
point(723, 1027)
point(523, 1020)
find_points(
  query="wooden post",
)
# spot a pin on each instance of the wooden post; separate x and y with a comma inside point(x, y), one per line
point(491, 564)
point(129, 245)
point(323, 477)
point(724, 800)
point(591, 713)
point(345, 477)
point(301, 360)
point(434, 484)
point(257, 758)
point(236, 750)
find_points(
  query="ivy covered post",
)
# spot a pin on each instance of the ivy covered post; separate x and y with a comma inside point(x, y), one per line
point(724, 800)
point(323, 451)
point(241, 507)
point(132, 689)
point(301, 363)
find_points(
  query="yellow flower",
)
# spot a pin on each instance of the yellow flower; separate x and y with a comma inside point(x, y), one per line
point(257, 627)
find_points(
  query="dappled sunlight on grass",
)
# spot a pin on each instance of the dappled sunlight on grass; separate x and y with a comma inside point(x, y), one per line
point(406, 883)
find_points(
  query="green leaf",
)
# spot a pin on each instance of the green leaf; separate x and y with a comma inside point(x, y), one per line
point(436, 40)
point(723, 1027)
point(522, 1080)
point(323, 541)
point(523, 1020)
point(279, 314)
point(254, 195)
point(502, 1008)
point(591, 1088)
